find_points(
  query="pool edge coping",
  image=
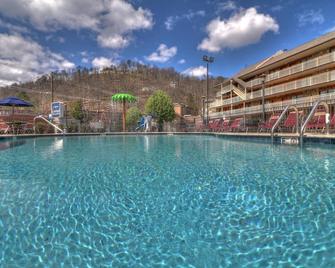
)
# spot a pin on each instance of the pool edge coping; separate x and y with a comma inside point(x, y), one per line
point(328, 139)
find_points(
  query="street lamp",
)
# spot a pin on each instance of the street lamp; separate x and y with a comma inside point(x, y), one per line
point(52, 86)
point(203, 109)
point(263, 76)
point(208, 60)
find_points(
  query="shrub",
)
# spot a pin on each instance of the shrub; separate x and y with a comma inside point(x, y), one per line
point(132, 117)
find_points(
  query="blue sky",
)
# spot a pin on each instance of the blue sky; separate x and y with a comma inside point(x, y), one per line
point(39, 36)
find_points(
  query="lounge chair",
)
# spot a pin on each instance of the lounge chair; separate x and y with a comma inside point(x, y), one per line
point(291, 121)
point(237, 124)
point(225, 125)
point(267, 126)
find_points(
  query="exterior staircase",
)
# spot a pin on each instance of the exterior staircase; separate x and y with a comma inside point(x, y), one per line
point(239, 92)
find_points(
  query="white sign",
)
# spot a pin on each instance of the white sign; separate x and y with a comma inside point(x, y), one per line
point(57, 109)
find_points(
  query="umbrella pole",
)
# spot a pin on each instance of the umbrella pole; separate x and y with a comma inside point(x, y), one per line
point(12, 120)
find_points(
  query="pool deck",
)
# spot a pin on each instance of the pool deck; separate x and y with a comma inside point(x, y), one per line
point(311, 137)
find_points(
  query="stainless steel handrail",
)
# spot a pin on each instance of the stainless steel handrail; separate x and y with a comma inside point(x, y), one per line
point(47, 121)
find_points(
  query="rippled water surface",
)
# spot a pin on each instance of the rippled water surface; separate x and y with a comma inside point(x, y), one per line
point(192, 201)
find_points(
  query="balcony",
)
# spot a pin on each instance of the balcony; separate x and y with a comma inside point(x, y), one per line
point(277, 106)
point(255, 82)
point(286, 87)
point(224, 90)
point(219, 103)
point(300, 67)
point(301, 83)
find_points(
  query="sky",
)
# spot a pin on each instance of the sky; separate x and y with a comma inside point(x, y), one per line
point(40, 36)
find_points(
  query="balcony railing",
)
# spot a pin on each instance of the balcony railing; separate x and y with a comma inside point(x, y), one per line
point(294, 85)
point(224, 90)
point(301, 83)
point(277, 106)
point(255, 82)
point(219, 103)
point(300, 67)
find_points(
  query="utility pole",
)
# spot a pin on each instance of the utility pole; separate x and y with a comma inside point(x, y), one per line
point(207, 60)
point(52, 88)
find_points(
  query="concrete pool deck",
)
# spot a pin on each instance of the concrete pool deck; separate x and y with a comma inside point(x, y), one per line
point(278, 137)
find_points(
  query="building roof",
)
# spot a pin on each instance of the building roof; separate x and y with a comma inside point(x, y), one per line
point(284, 55)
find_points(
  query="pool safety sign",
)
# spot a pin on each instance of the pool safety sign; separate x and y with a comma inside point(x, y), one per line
point(57, 109)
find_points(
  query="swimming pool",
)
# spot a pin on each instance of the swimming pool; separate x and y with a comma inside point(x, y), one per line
point(143, 201)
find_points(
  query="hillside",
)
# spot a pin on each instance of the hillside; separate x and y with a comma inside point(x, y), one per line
point(96, 86)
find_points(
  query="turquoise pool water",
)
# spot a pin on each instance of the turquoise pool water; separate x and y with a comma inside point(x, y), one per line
point(152, 201)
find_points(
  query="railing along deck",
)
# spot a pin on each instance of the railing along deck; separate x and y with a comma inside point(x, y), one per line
point(277, 106)
point(286, 87)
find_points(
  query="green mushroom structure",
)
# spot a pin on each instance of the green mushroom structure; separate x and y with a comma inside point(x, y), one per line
point(123, 98)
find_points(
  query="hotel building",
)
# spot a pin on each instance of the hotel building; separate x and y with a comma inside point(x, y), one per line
point(298, 77)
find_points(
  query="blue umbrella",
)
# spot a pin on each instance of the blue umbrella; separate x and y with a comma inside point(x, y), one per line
point(14, 102)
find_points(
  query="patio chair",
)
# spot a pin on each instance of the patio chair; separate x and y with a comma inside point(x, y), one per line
point(237, 124)
point(291, 121)
point(225, 125)
point(216, 126)
point(321, 124)
point(312, 124)
point(267, 126)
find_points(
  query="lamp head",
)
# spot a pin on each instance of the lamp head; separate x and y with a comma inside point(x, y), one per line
point(208, 59)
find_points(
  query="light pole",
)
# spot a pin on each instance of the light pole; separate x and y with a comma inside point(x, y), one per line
point(203, 109)
point(208, 60)
point(52, 87)
point(263, 76)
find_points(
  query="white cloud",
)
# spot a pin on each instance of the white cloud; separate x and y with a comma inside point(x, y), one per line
point(112, 20)
point(102, 62)
point(226, 6)
point(84, 60)
point(199, 71)
point(171, 21)
point(162, 54)
point(310, 17)
point(113, 40)
point(243, 28)
point(182, 61)
point(22, 59)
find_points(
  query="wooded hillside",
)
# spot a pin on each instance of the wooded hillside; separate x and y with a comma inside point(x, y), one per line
point(93, 85)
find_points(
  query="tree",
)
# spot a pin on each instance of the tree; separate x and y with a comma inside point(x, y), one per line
point(161, 107)
point(123, 98)
point(133, 116)
point(76, 111)
point(23, 96)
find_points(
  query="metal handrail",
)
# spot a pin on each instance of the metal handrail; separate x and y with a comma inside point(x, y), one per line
point(311, 114)
point(278, 121)
point(47, 121)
